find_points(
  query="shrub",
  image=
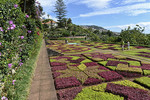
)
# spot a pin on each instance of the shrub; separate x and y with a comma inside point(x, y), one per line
point(145, 81)
point(146, 72)
point(103, 63)
point(82, 67)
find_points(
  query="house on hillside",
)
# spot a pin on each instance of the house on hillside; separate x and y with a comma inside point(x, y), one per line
point(51, 24)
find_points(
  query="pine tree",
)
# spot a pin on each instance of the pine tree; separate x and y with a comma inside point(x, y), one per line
point(60, 12)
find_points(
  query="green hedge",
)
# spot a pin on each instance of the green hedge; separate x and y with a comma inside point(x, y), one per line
point(145, 81)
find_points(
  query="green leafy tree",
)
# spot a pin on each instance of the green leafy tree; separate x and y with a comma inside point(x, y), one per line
point(134, 36)
point(60, 10)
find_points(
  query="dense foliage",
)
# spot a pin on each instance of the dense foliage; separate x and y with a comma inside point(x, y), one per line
point(18, 38)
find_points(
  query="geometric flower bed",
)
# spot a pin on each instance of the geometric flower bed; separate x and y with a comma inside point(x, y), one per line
point(66, 48)
point(120, 90)
point(144, 54)
point(74, 74)
point(105, 46)
point(125, 66)
point(77, 70)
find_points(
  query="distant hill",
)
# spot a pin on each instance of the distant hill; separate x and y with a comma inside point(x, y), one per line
point(97, 28)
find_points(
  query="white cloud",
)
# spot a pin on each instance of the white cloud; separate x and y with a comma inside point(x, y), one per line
point(130, 9)
point(51, 17)
point(98, 4)
point(132, 1)
point(142, 24)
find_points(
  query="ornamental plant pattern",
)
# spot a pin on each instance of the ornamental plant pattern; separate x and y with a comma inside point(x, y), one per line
point(74, 74)
point(125, 66)
point(66, 48)
point(119, 90)
point(105, 46)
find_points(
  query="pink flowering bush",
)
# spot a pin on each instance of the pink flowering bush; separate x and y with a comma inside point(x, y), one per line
point(16, 45)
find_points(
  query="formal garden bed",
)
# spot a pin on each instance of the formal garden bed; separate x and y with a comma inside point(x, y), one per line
point(63, 48)
point(74, 74)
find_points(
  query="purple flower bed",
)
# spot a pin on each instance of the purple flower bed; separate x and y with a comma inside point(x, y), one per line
point(57, 64)
point(58, 68)
point(90, 64)
point(56, 74)
point(115, 63)
point(129, 93)
point(129, 74)
point(110, 75)
point(68, 94)
point(92, 81)
point(61, 83)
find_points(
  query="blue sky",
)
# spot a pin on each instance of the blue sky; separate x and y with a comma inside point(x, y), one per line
point(110, 14)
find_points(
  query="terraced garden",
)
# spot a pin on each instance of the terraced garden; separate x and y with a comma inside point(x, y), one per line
point(98, 76)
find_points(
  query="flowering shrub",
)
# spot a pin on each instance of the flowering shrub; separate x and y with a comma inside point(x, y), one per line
point(16, 44)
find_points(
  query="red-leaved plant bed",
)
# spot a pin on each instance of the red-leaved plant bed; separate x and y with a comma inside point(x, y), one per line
point(58, 68)
point(115, 63)
point(62, 57)
point(140, 47)
point(92, 81)
point(68, 94)
point(77, 61)
point(57, 64)
point(129, 74)
point(90, 64)
point(61, 83)
point(144, 67)
point(56, 74)
point(110, 75)
point(129, 93)
point(102, 68)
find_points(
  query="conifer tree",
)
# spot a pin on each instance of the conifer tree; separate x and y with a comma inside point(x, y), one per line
point(60, 10)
